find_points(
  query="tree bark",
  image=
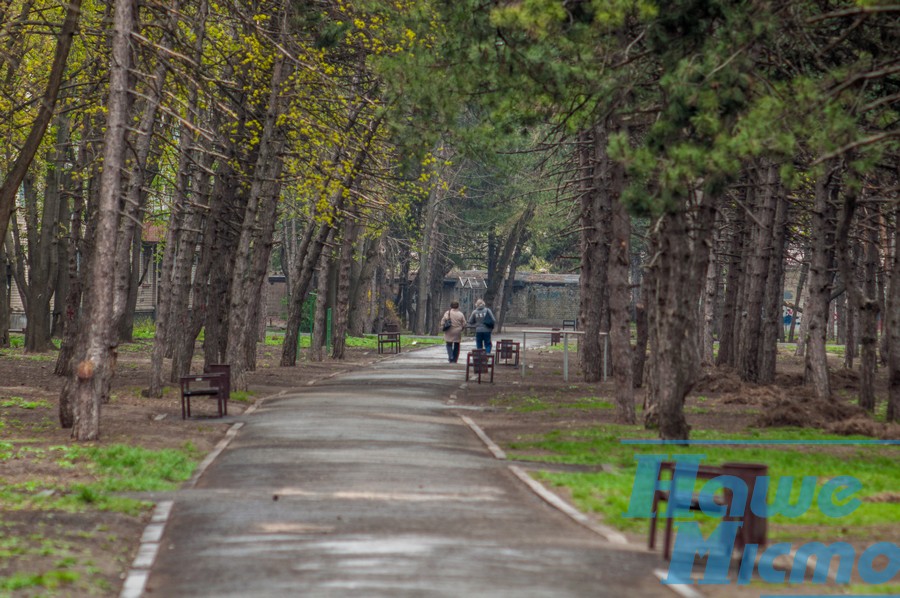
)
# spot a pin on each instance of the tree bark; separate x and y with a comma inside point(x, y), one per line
point(861, 300)
point(594, 253)
point(708, 306)
point(801, 283)
point(257, 230)
point(731, 304)
point(893, 328)
point(96, 348)
point(620, 296)
point(773, 303)
point(758, 268)
point(342, 305)
point(680, 266)
point(5, 290)
point(815, 313)
point(317, 338)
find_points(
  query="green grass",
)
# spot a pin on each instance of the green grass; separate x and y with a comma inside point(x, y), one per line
point(241, 396)
point(117, 468)
point(532, 403)
point(23, 404)
point(877, 468)
point(144, 329)
point(50, 580)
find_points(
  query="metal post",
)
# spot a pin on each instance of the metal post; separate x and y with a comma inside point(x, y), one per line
point(524, 344)
point(328, 330)
point(605, 357)
point(566, 355)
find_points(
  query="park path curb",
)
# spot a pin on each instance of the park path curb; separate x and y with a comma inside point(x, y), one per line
point(609, 534)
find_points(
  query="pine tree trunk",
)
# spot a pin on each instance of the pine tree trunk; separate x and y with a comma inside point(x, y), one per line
point(594, 252)
point(620, 298)
point(884, 284)
point(893, 328)
point(679, 272)
point(801, 283)
point(773, 310)
point(758, 268)
point(731, 305)
point(642, 326)
point(708, 307)
point(868, 314)
point(815, 313)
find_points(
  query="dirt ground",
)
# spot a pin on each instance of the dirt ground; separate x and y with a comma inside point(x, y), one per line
point(99, 546)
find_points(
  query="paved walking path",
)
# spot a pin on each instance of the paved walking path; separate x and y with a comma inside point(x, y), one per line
point(369, 485)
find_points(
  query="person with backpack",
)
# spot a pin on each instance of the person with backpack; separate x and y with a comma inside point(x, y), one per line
point(483, 320)
point(452, 325)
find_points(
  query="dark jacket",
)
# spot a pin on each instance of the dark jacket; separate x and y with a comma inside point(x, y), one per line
point(477, 319)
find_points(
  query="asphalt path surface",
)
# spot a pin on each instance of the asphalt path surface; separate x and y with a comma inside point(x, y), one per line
point(369, 484)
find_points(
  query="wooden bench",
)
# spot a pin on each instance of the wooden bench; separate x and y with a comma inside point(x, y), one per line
point(753, 529)
point(389, 339)
point(573, 324)
point(478, 362)
point(215, 385)
point(508, 350)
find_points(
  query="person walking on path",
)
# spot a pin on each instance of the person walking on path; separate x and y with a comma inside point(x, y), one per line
point(483, 320)
point(453, 333)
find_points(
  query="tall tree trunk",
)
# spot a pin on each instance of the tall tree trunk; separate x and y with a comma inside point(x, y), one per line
point(773, 305)
point(506, 295)
point(893, 328)
point(75, 247)
point(46, 107)
point(426, 259)
point(861, 300)
point(361, 304)
point(884, 284)
point(96, 347)
point(594, 254)
point(620, 295)
point(708, 306)
point(869, 311)
point(5, 290)
point(642, 328)
point(758, 268)
point(257, 230)
point(801, 283)
point(680, 266)
point(317, 338)
point(497, 279)
point(731, 305)
point(342, 305)
point(815, 313)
